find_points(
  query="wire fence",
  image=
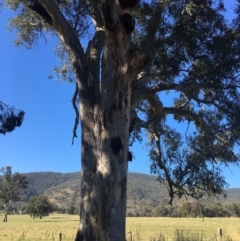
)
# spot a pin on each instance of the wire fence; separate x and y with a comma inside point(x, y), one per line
point(179, 235)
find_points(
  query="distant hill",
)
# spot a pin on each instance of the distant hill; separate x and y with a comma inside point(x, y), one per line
point(49, 182)
point(142, 190)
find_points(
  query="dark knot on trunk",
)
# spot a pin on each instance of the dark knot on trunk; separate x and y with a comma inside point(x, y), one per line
point(128, 22)
point(128, 3)
point(116, 144)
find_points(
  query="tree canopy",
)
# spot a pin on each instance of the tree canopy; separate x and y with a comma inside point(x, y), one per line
point(147, 65)
point(39, 207)
point(10, 186)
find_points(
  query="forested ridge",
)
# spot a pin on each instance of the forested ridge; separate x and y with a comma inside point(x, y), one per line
point(140, 186)
point(146, 196)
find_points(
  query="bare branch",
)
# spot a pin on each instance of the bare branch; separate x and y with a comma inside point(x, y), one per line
point(76, 122)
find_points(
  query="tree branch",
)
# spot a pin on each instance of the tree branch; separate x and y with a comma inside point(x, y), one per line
point(144, 80)
point(68, 37)
point(93, 58)
point(141, 90)
point(186, 87)
point(185, 113)
point(96, 14)
point(156, 104)
point(76, 122)
point(110, 14)
point(137, 61)
point(164, 168)
point(40, 10)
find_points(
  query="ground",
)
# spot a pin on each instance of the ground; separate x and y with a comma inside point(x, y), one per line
point(24, 228)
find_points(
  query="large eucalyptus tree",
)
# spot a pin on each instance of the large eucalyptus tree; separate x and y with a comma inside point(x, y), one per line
point(137, 52)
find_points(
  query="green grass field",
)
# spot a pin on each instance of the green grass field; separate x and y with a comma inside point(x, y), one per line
point(23, 227)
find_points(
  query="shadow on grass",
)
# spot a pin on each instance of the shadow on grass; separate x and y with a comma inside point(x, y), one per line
point(54, 221)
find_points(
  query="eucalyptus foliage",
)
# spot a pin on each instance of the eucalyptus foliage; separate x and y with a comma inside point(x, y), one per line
point(10, 118)
point(39, 207)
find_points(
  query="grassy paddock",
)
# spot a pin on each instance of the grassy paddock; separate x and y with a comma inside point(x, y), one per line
point(198, 228)
point(23, 227)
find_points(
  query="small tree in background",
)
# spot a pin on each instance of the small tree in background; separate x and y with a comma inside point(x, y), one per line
point(72, 209)
point(10, 186)
point(10, 118)
point(39, 207)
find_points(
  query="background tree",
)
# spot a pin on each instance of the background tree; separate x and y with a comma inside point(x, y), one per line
point(182, 48)
point(10, 118)
point(72, 209)
point(10, 185)
point(39, 207)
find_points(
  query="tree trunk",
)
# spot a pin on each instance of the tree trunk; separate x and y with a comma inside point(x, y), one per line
point(5, 213)
point(104, 183)
point(105, 135)
point(104, 105)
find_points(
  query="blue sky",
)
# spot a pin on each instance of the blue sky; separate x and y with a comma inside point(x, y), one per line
point(43, 142)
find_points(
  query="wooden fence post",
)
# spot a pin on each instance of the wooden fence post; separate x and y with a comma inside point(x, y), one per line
point(130, 235)
point(219, 234)
point(60, 236)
